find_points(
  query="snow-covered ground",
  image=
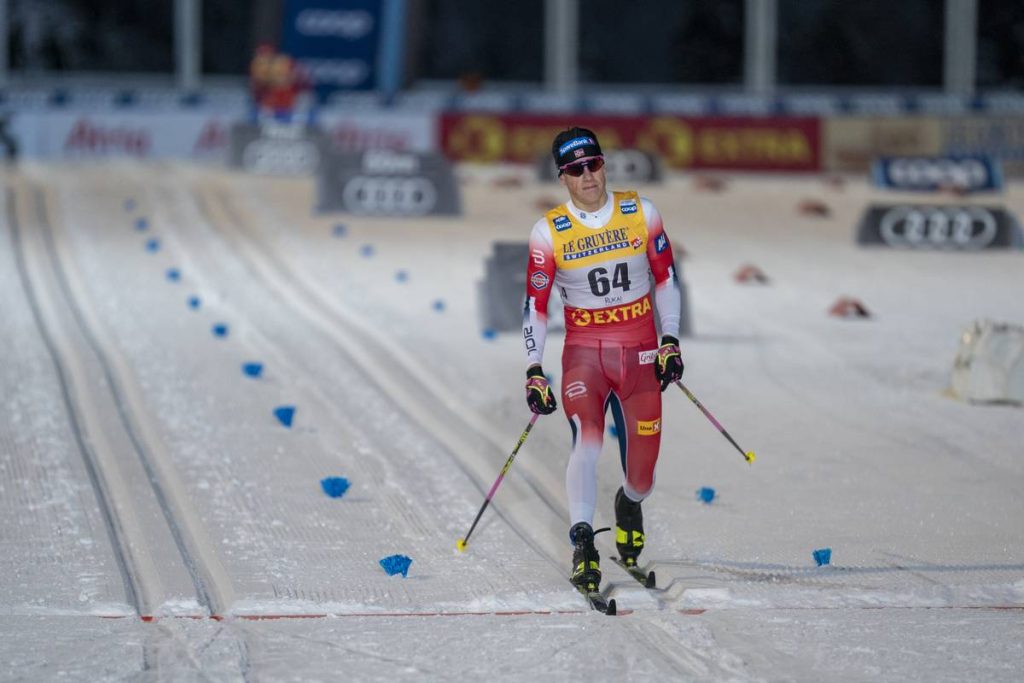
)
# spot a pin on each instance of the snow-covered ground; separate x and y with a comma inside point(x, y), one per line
point(144, 474)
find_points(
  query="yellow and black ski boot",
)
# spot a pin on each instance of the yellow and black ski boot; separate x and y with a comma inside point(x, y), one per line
point(586, 563)
point(629, 528)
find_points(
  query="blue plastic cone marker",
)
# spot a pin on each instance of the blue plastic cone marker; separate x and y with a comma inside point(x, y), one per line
point(401, 276)
point(439, 305)
point(612, 431)
point(706, 494)
point(339, 230)
point(173, 274)
point(220, 329)
point(334, 487)
point(822, 556)
point(284, 415)
point(141, 224)
point(252, 369)
point(129, 205)
point(396, 564)
point(153, 244)
point(366, 250)
point(488, 334)
point(194, 302)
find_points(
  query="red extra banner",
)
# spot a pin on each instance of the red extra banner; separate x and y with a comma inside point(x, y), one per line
point(708, 143)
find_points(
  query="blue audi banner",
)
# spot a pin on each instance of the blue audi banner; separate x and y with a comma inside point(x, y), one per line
point(335, 42)
point(930, 174)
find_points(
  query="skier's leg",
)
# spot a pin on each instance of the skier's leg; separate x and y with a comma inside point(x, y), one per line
point(584, 390)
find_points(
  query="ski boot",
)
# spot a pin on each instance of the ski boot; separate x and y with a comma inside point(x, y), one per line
point(629, 528)
point(586, 563)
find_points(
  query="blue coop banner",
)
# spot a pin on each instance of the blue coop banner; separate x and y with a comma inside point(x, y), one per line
point(335, 42)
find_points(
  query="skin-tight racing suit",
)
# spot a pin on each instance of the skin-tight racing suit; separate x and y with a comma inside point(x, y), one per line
point(600, 263)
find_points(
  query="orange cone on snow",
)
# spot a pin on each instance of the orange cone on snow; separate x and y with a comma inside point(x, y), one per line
point(848, 307)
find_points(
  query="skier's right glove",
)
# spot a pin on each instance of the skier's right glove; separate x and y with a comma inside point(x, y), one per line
point(539, 396)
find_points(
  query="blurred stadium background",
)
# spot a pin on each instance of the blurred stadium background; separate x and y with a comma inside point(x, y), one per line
point(733, 85)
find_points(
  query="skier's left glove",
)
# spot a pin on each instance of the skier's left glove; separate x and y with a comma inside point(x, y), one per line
point(668, 366)
point(539, 396)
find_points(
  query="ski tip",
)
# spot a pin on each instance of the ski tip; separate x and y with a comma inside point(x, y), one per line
point(461, 545)
point(612, 608)
point(650, 582)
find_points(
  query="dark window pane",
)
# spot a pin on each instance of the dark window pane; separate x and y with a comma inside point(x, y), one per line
point(92, 35)
point(1001, 44)
point(860, 42)
point(673, 41)
point(470, 38)
point(227, 36)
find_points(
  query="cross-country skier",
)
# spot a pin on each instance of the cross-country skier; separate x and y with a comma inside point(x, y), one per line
point(598, 251)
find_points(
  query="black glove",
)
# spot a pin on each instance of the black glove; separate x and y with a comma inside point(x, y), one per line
point(668, 366)
point(539, 396)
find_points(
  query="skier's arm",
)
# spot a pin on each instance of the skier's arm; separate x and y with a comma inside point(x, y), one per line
point(540, 280)
point(667, 296)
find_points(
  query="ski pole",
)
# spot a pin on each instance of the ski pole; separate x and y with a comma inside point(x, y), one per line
point(747, 455)
point(461, 544)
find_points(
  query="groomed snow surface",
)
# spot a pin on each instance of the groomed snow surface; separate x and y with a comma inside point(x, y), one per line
point(158, 522)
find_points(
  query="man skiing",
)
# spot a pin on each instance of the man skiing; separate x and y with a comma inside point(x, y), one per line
point(599, 250)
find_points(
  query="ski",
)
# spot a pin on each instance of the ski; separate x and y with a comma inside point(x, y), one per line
point(598, 602)
point(646, 579)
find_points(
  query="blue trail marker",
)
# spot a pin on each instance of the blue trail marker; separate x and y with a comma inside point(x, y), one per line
point(252, 369)
point(129, 204)
point(401, 276)
point(335, 487)
point(193, 302)
point(822, 556)
point(153, 245)
point(366, 250)
point(706, 494)
point(173, 274)
point(439, 305)
point(396, 564)
point(284, 415)
point(488, 334)
point(141, 224)
point(220, 329)
point(339, 230)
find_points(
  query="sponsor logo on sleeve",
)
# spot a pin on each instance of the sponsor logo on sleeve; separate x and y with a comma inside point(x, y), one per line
point(562, 223)
point(648, 427)
point(661, 243)
point(539, 280)
point(627, 206)
point(647, 357)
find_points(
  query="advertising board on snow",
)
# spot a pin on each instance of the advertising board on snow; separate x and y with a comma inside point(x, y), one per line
point(929, 174)
point(950, 227)
point(727, 143)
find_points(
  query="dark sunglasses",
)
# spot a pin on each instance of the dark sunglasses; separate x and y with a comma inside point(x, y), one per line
point(576, 170)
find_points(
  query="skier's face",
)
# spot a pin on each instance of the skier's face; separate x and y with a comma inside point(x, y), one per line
point(587, 190)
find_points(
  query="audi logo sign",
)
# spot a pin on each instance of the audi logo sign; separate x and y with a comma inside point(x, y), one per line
point(966, 228)
point(967, 174)
point(384, 183)
point(275, 149)
point(390, 196)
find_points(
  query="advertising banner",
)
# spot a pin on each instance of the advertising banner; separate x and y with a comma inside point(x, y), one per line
point(334, 43)
point(721, 143)
point(998, 137)
point(276, 149)
point(956, 228)
point(930, 174)
point(144, 134)
point(851, 144)
point(356, 131)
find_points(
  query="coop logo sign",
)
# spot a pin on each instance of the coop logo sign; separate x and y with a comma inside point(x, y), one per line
point(964, 173)
point(350, 25)
point(388, 183)
point(966, 228)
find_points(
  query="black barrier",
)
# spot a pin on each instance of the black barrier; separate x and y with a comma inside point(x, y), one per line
point(956, 227)
point(276, 149)
point(502, 293)
point(385, 183)
point(929, 174)
point(622, 167)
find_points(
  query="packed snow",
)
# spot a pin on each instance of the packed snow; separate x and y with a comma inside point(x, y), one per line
point(157, 521)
